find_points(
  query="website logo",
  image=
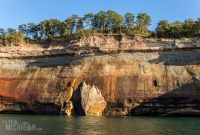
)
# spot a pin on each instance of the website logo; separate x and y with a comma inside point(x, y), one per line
point(13, 125)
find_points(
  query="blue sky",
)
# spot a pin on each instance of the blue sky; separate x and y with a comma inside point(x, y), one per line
point(16, 12)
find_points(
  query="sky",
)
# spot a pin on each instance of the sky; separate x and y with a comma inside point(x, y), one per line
point(16, 12)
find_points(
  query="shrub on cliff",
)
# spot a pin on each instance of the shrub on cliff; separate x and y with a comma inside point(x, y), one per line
point(13, 39)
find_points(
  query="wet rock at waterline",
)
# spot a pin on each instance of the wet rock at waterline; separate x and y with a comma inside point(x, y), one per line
point(63, 99)
point(91, 99)
point(69, 109)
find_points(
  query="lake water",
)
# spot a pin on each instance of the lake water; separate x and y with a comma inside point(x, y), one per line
point(16, 124)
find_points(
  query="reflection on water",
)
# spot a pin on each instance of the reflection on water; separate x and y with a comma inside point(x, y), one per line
point(76, 125)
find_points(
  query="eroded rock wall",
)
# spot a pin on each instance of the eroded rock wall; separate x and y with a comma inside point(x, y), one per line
point(137, 77)
point(91, 45)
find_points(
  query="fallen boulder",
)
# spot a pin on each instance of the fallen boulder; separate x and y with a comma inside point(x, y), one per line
point(91, 99)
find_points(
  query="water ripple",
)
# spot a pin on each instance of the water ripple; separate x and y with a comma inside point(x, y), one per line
point(59, 125)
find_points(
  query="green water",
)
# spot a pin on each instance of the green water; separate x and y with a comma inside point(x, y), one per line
point(65, 125)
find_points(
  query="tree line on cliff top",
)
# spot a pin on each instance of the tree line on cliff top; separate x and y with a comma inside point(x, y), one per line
point(104, 22)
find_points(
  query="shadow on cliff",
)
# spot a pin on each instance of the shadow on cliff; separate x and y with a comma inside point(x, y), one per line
point(183, 97)
point(56, 61)
point(174, 58)
point(76, 99)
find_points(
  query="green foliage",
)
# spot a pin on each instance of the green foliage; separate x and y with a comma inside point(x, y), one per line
point(177, 29)
point(88, 18)
point(50, 29)
point(80, 33)
point(104, 22)
point(129, 20)
point(188, 26)
point(32, 30)
point(2, 32)
point(71, 23)
point(197, 27)
point(115, 21)
point(142, 23)
point(23, 29)
point(162, 28)
point(11, 31)
point(99, 22)
point(13, 39)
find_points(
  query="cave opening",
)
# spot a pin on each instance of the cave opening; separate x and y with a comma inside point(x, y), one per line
point(155, 83)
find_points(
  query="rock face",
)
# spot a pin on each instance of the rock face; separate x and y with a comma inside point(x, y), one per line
point(91, 99)
point(64, 98)
point(138, 82)
point(96, 44)
point(69, 109)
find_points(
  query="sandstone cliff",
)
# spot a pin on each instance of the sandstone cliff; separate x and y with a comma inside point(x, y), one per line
point(153, 75)
point(92, 101)
point(95, 45)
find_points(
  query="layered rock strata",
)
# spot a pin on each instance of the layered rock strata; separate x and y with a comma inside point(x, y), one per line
point(132, 83)
point(97, 44)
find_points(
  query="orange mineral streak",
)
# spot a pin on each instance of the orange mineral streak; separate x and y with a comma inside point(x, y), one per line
point(109, 88)
point(118, 76)
point(21, 88)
